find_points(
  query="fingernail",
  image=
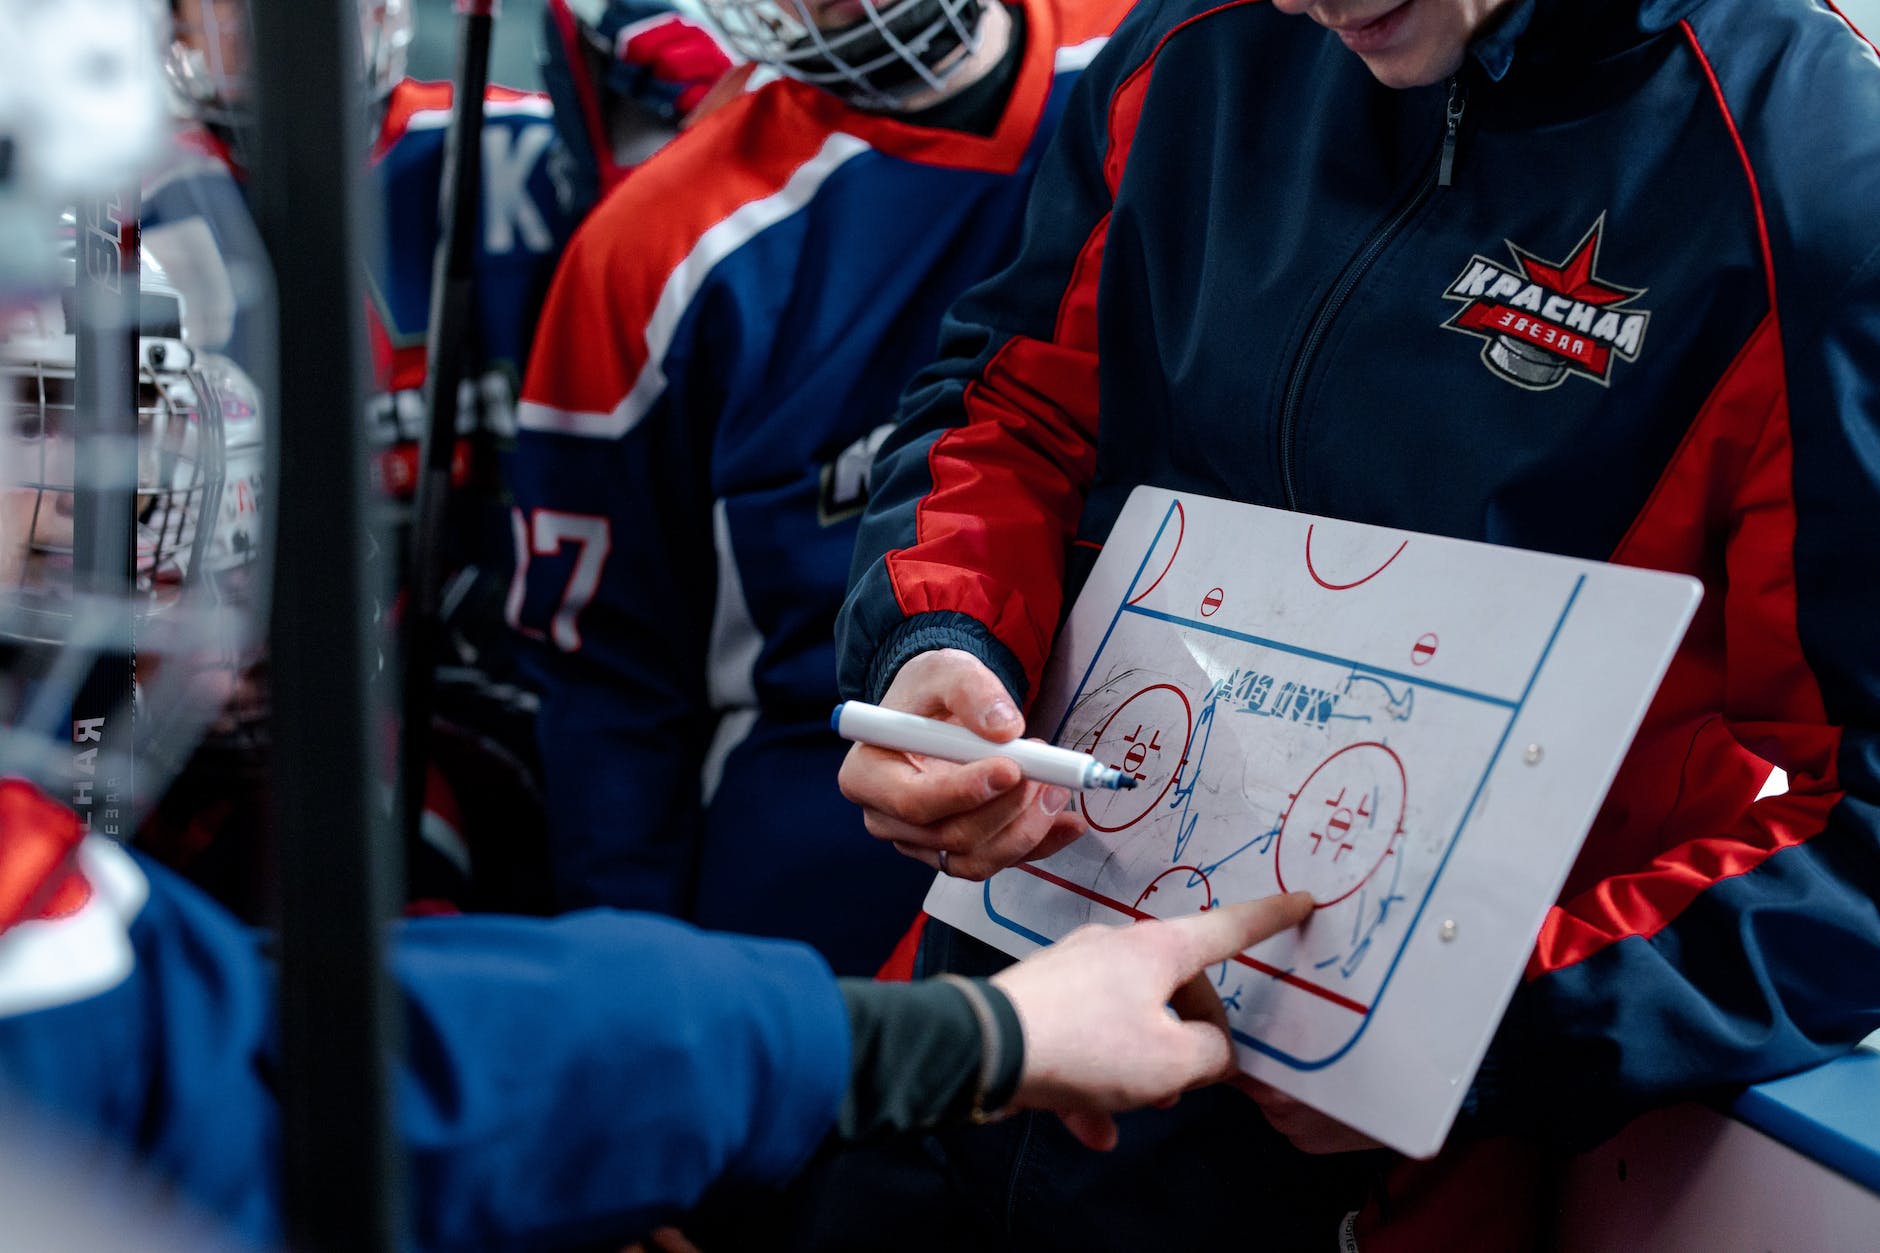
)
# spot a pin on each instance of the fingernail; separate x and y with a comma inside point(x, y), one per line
point(1053, 799)
point(1001, 715)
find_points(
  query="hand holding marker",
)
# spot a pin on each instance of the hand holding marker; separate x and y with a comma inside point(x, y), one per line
point(911, 733)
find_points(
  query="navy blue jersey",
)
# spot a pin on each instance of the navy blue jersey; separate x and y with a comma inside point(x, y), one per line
point(722, 347)
point(526, 216)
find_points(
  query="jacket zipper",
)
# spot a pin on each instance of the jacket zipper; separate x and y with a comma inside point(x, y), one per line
point(1452, 122)
point(1440, 175)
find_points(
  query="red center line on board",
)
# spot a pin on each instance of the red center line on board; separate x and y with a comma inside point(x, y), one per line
point(1284, 976)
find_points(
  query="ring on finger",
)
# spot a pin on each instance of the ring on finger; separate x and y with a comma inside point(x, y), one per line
point(943, 864)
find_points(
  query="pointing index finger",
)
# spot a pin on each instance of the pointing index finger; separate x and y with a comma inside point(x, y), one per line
point(1220, 933)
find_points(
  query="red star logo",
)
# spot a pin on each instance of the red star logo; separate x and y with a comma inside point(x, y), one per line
point(1573, 278)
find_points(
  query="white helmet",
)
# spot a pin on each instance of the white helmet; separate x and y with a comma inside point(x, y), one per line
point(199, 450)
point(870, 53)
point(207, 62)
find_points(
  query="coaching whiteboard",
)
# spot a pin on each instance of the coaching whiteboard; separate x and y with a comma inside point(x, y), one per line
point(1417, 730)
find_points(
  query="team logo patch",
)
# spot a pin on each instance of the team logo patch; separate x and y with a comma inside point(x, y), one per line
point(845, 480)
point(1546, 320)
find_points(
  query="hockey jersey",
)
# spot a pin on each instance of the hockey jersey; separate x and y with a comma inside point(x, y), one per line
point(528, 211)
point(568, 1083)
point(717, 358)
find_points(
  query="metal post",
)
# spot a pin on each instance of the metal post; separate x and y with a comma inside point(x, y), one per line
point(343, 1169)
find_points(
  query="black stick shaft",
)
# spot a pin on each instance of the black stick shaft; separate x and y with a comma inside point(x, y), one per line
point(453, 305)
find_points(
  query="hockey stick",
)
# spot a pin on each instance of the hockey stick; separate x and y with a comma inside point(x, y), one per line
point(453, 303)
point(106, 361)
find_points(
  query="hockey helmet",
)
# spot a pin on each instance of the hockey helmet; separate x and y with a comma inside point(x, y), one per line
point(875, 53)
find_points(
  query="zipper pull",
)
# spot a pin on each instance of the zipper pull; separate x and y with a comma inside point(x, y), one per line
point(1452, 122)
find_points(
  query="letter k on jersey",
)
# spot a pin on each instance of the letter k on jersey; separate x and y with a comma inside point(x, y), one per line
point(1545, 320)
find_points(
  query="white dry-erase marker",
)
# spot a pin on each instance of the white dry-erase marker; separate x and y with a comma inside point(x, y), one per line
point(910, 733)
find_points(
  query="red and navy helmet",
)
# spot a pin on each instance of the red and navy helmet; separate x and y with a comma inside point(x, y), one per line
point(624, 75)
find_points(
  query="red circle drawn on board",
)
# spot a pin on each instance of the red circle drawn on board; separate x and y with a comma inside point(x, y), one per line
point(1207, 889)
point(1114, 811)
point(1345, 587)
point(1352, 778)
point(1181, 531)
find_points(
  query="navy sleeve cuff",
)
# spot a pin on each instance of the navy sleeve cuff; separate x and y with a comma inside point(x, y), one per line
point(945, 629)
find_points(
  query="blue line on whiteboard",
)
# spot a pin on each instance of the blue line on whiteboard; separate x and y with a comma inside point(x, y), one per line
point(1400, 707)
point(1362, 935)
point(1263, 842)
point(1448, 849)
point(1185, 791)
point(1057, 733)
point(1312, 655)
point(1009, 924)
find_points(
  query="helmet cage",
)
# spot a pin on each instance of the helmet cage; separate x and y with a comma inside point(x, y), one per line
point(893, 50)
point(180, 473)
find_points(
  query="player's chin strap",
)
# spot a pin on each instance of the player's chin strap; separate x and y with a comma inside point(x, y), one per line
point(892, 54)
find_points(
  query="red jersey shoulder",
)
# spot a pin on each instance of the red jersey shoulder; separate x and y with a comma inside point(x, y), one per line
point(1080, 21)
point(415, 104)
point(745, 151)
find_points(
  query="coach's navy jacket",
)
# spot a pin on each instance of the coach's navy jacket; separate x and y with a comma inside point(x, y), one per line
point(1639, 321)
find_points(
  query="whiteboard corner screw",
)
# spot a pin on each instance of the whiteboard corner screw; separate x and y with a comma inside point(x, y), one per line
point(1533, 755)
point(1448, 930)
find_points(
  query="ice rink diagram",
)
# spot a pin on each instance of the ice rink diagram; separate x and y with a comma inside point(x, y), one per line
point(1318, 705)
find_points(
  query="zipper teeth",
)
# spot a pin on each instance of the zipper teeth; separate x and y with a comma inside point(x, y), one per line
point(1341, 290)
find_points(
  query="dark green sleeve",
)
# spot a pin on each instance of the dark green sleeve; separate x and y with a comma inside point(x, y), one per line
point(917, 1055)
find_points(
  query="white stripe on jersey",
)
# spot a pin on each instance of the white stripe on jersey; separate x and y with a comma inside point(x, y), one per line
point(438, 119)
point(743, 225)
point(731, 659)
point(59, 961)
point(1077, 56)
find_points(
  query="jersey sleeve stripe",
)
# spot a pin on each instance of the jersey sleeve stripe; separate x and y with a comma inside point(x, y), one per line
point(1126, 104)
point(1742, 153)
point(1077, 56)
point(675, 297)
point(1048, 392)
point(1772, 702)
